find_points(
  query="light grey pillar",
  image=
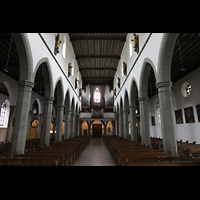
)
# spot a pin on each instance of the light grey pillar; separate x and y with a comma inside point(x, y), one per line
point(67, 121)
point(120, 125)
point(105, 128)
point(21, 117)
point(10, 123)
point(117, 124)
point(166, 113)
point(79, 125)
point(125, 124)
point(133, 123)
point(40, 119)
point(59, 122)
point(73, 125)
point(28, 125)
point(89, 128)
point(46, 125)
point(144, 120)
point(54, 126)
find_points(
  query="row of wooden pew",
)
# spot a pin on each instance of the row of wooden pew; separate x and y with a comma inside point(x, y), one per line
point(62, 153)
point(128, 153)
point(30, 144)
point(189, 151)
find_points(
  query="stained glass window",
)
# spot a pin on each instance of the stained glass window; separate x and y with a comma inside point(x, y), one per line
point(97, 95)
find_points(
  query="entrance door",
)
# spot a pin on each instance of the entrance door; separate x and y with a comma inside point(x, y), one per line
point(85, 132)
point(97, 130)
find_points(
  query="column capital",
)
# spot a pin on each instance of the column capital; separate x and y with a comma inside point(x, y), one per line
point(49, 99)
point(61, 106)
point(164, 86)
point(124, 111)
point(132, 107)
point(143, 99)
point(26, 85)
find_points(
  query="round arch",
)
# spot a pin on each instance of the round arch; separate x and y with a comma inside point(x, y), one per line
point(48, 78)
point(98, 131)
point(126, 100)
point(133, 91)
point(144, 77)
point(165, 56)
point(25, 56)
point(60, 90)
point(67, 100)
point(84, 127)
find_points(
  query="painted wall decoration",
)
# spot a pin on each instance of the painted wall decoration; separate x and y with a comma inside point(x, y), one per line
point(189, 115)
point(179, 116)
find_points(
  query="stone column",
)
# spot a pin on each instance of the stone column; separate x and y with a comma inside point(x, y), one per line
point(89, 128)
point(21, 117)
point(67, 121)
point(105, 128)
point(117, 124)
point(10, 123)
point(54, 126)
point(28, 125)
point(166, 113)
point(77, 124)
point(133, 123)
point(144, 120)
point(40, 119)
point(46, 125)
point(125, 124)
point(72, 125)
point(120, 125)
point(59, 122)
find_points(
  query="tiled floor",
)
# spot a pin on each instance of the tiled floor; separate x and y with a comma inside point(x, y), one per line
point(95, 154)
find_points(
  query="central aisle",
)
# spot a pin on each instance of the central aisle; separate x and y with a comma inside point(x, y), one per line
point(95, 154)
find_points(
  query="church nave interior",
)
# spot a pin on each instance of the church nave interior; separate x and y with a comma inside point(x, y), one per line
point(135, 95)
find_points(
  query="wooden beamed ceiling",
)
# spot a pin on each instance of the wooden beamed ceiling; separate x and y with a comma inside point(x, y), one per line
point(98, 55)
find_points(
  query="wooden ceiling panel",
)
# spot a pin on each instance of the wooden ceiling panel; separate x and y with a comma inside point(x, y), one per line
point(98, 55)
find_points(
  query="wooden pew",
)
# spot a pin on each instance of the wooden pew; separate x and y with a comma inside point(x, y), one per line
point(181, 163)
point(128, 153)
point(60, 157)
point(28, 162)
point(65, 152)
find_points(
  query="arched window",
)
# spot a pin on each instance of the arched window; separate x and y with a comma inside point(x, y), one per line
point(3, 112)
point(97, 95)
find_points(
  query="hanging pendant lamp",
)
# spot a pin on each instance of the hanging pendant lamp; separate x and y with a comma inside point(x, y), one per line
point(6, 69)
point(182, 68)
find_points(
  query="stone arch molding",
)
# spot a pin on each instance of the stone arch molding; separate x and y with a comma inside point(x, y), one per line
point(165, 56)
point(50, 75)
point(61, 89)
point(143, 83)
point(25, 56)
point(132, 91)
